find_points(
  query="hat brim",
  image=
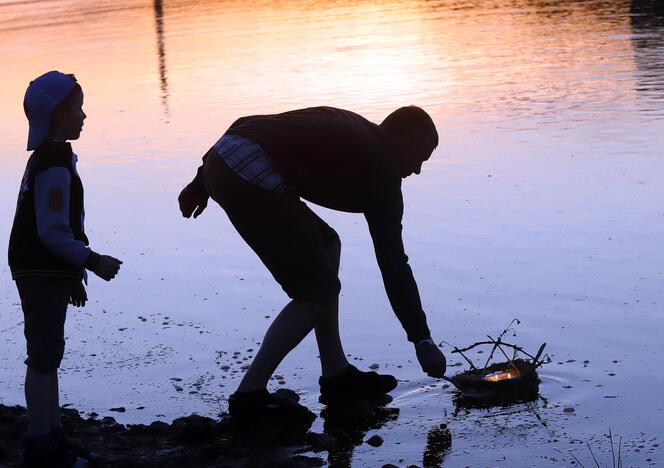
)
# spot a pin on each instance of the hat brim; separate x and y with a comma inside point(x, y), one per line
point(37, 133)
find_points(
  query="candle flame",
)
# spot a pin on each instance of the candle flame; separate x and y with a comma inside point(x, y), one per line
point(502, 375)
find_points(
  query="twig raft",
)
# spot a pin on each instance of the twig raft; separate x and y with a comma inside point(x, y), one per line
point(514, 379)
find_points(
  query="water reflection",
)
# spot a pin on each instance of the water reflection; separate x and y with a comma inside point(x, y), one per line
point(545, 62)
point(647, 19)
point(348, 427)
point(439, 444)
point(161, 52)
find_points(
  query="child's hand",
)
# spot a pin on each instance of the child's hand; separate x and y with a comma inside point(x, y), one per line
point(431, 358)
point(192, 201)
point(107, 267)
point(77, 295)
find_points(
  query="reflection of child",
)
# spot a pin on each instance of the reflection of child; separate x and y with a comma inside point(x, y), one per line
point(48, 255)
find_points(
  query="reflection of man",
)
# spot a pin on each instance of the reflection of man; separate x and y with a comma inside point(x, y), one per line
point(257, 172)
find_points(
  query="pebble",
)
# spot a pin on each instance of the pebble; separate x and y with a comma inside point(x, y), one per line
point(568, 409)
point(374, 366)
point(119, 409)
point(375, 441)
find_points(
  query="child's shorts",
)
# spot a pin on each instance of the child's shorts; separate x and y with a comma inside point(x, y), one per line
point(44, 302)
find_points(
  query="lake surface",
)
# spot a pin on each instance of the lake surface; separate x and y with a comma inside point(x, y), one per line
point(543, 202)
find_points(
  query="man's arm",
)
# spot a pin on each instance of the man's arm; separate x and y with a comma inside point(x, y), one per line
point(193, 199)
point(385, 229)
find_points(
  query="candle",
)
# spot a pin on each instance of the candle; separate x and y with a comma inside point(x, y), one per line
point(502, 375)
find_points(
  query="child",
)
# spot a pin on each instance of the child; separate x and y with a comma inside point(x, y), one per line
point(48, 255)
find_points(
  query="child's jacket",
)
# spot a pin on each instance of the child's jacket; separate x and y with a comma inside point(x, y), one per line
point(48, 238)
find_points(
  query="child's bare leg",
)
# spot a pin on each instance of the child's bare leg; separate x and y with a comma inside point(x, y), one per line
point(38, 401)
point(290, 327)
point(55, 419)
point(332, 358)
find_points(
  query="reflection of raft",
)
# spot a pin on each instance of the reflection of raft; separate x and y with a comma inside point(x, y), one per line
point(514, 379)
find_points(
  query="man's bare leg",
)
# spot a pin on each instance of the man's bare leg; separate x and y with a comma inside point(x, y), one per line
point(290, 327)
point(332, 358)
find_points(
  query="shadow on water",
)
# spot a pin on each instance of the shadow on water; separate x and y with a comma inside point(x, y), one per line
point(161, 52)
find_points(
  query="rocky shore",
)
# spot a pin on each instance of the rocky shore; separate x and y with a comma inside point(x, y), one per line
point(206, 442)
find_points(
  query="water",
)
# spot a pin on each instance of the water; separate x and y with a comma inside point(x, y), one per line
point(542, 202)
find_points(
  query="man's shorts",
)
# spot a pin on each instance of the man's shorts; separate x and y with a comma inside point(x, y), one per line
point(44, 302)
point(299, 249)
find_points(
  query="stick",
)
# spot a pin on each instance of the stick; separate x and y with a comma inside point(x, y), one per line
point(537, 356)
point(472, 366)
point(493, 350)
point(504, 354)
point(518, 348)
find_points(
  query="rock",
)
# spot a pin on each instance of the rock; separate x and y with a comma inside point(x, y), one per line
point(389, 465)
point(159, 427)
point(375, 441)
point(70, 412)
point(360, 412)
point(193, 428)
point(288, 394)
point(320, 442)
point(119, 409)
point(568, 409)
point(272, 434)
point(374, 366)
point(382, 400)
point(302, 461)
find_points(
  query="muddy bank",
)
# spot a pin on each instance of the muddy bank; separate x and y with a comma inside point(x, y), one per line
point(188, 441)
point(201, 441)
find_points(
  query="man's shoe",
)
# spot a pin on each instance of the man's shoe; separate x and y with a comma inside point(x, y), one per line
point(50, 455)
point(353, 385)
point(261, 408)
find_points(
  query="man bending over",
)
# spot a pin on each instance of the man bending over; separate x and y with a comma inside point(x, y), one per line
point(259, 172)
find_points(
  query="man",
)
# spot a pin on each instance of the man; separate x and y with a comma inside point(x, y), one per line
point(258, 172)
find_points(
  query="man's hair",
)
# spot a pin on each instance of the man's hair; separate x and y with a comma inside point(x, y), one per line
point(407, 120)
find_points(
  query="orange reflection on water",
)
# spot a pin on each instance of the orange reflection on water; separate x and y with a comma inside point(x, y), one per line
point(164, 74)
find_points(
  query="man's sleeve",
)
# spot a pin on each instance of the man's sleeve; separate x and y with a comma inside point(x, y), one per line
point(52, 193)
point(384, 222)
point(198, 183)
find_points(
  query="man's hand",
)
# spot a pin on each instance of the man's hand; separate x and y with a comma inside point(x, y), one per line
point(192, 201)
point(431, 358)
point(107, 267)
point(77, 295)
